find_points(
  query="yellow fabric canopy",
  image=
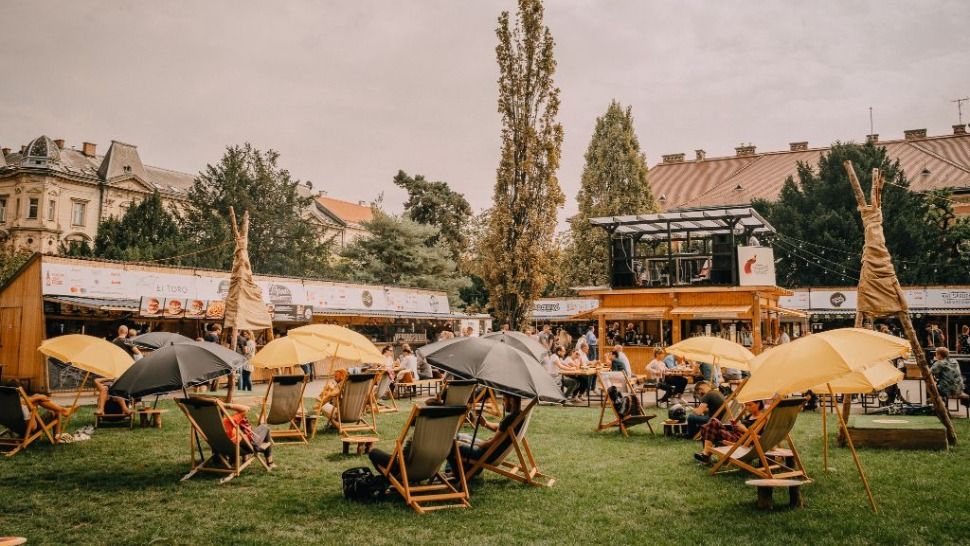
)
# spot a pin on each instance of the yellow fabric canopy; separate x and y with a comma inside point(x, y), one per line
point(874, 378)
point(713, 350)
point(291, 351)
point(817, 359)
point(88, 353)
point(344, 343)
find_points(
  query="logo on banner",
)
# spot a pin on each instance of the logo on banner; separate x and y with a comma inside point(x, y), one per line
point(837, 299)
point(366, 298)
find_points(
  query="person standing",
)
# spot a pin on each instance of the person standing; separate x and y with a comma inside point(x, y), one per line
point(248, 350)
point(784, 338)
point(935, 337)
point(593, 342)
point(214, 334)
point(963, 342)
point(947, 374)
point(546, 337)
point(124, 342)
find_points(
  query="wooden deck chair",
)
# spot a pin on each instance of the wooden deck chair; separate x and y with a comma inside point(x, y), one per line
point(111, 412)
point(349, 412)
point(761, 444)
point(231, 452)
point(458, 392)
point(512, 440)
point(415, 471)
point(17, 431)
point(623, 386)
point(491, 406)
point(285, 407)
point(730, 410)
point(383, 388)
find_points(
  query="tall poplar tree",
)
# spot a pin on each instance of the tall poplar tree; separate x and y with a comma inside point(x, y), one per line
point(614, 182)
point(523, 217)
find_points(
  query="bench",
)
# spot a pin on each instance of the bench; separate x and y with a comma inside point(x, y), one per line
point(363, 443)
point(767, 487)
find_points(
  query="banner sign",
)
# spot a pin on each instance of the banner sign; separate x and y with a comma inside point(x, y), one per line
point(174, 294)
point(547, 308)
point(288, 312)
point(756, 266)
point(845, 299)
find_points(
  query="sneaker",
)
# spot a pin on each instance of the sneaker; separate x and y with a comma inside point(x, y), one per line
point(702, 458)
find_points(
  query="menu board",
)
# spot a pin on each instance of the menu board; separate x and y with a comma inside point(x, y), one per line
point(216, 310)
point(151, 307)
point(195, 309)
point(174, 308)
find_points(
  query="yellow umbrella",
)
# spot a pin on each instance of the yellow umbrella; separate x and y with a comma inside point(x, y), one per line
point(714, 350)
point(818, 359)
point(345, 344)
point(291, 351)
point(874, 378)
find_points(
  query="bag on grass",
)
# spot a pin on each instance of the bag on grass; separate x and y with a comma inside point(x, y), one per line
point(362, 485)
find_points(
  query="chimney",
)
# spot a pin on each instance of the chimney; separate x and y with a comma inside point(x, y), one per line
point(700, 155)
point(362, 203)
point(673, 158)
point(914, 134)
point(798, 146)
point(873, 138)
point(960, 129)
point(89, 149)
point(322, 193)
point(745, 150)
point(60, 143)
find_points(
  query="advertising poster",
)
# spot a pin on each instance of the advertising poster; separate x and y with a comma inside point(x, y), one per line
point(151, 307)
point(174, 308)
point(216, 310)
point(195, 309)
point(756, 266)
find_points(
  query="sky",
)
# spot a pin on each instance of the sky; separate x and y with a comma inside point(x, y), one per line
point(351, 92)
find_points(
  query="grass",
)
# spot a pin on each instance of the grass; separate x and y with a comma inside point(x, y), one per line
point(122, 487)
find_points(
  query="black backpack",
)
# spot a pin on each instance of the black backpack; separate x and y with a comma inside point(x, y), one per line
point(362, 485)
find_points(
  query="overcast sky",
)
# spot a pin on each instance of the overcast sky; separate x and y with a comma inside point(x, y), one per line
point(350, 92)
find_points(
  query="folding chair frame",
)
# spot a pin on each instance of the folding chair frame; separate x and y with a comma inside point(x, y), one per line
point(361, 425)
point(774, 464)
point(36, 427)
point(527, 470)
point(296, 433)
point(623, 423)
point(376, 403)
point(218, 463)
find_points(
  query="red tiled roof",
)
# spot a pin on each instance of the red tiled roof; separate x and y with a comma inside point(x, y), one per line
point(739, 180)
point(352, 213)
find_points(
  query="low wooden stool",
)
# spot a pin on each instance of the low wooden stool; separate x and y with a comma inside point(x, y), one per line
point(363, 443)
point(12, 541)
point(151, 417)
point(767, 487)
point(677, 429)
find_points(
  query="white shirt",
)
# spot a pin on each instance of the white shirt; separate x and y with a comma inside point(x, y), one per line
point(657, 368)
point(784, 337)
point(410, 363)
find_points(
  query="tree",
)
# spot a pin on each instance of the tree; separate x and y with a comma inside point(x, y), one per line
point(820, 235)
point(282, 240)
point(614, 182)
point(11, 260)
point(523, 217)
point(435, 204)
point(147, 231)
point(401, 252)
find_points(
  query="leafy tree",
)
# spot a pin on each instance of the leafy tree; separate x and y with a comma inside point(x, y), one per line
point(401, 252)
point(820, 234)
point(147, 231)
point(614, 182)
point(436, 204)
point(281, 240)
point(11, 260)
point(527, 196)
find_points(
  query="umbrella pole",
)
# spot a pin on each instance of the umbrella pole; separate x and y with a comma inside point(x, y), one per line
point(77, 398)
point(825, 440)
point(478, 419)
point(855, 456)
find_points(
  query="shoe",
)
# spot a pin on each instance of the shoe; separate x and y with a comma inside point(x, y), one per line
point(702, 458)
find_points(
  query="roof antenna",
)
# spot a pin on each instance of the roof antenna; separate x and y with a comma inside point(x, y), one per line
point(960, 107)
point(871, 131)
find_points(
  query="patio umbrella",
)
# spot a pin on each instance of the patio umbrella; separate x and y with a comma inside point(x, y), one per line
point(818, 359)
point(157, 340)
point(176, 367)
point(717, 351)
point(290, 351)
point(494, 364)
point(90, 354)
point(343, 343)
point(521, 342)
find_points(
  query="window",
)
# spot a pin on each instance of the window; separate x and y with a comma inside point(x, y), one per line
point(78, 212)
point(51, 208)
point(3, 209)
point(32, 207)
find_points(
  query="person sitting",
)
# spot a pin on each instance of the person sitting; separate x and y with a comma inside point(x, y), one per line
point(258, 437)
point(620, 362)
point(41, 401)
point(409, 366)
point(946, 372)
point(120, 404)
point(674, 385)
point(555, 366)
point(577, 361)
point(711, 401)
point(472, 451)
point(715, 432)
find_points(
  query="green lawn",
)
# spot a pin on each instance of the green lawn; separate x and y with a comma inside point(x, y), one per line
point(122, 487)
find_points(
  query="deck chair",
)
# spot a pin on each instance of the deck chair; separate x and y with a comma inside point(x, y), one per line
point(458, 392)
point(230, 455)
point(17, 431)
point(623, 386)
point(349, 412)
point(383, 388)
point(761, 444)
point(731, 409)
point(513, 440)
point(285, 407)
point(111, 412)
point(414, 469)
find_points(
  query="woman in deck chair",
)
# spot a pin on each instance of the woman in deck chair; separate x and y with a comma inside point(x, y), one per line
point(110, 408)
point(717, 433)
point(20, 420)
point(232, 441)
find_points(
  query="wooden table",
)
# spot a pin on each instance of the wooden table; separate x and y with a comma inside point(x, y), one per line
point(363, 443)
point(677, 429)
point(150, 417)
point(585, 372)
point(767, 487)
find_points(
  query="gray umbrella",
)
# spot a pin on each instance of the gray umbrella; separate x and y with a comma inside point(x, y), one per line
point(494, 364)
point(176, 367)
point(521, 342)
point(157, 340)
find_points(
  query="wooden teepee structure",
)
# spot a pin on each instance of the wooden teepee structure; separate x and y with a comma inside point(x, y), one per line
point(880, 293)
point(245, 309)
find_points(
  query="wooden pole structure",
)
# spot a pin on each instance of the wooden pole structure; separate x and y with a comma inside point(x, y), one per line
point(825, 440)
point(875, 241)
point(855, 456)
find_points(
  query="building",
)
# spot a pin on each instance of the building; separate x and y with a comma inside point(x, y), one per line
point(52, 196)
point(929, 162)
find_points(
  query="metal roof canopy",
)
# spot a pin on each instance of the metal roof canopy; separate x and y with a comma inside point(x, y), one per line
point(685, 223)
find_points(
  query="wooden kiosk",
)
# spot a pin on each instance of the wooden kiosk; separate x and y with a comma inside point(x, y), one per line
point(691, 272)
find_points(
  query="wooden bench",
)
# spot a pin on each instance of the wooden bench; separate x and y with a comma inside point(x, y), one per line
point(767, 487)
point(363, 443)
